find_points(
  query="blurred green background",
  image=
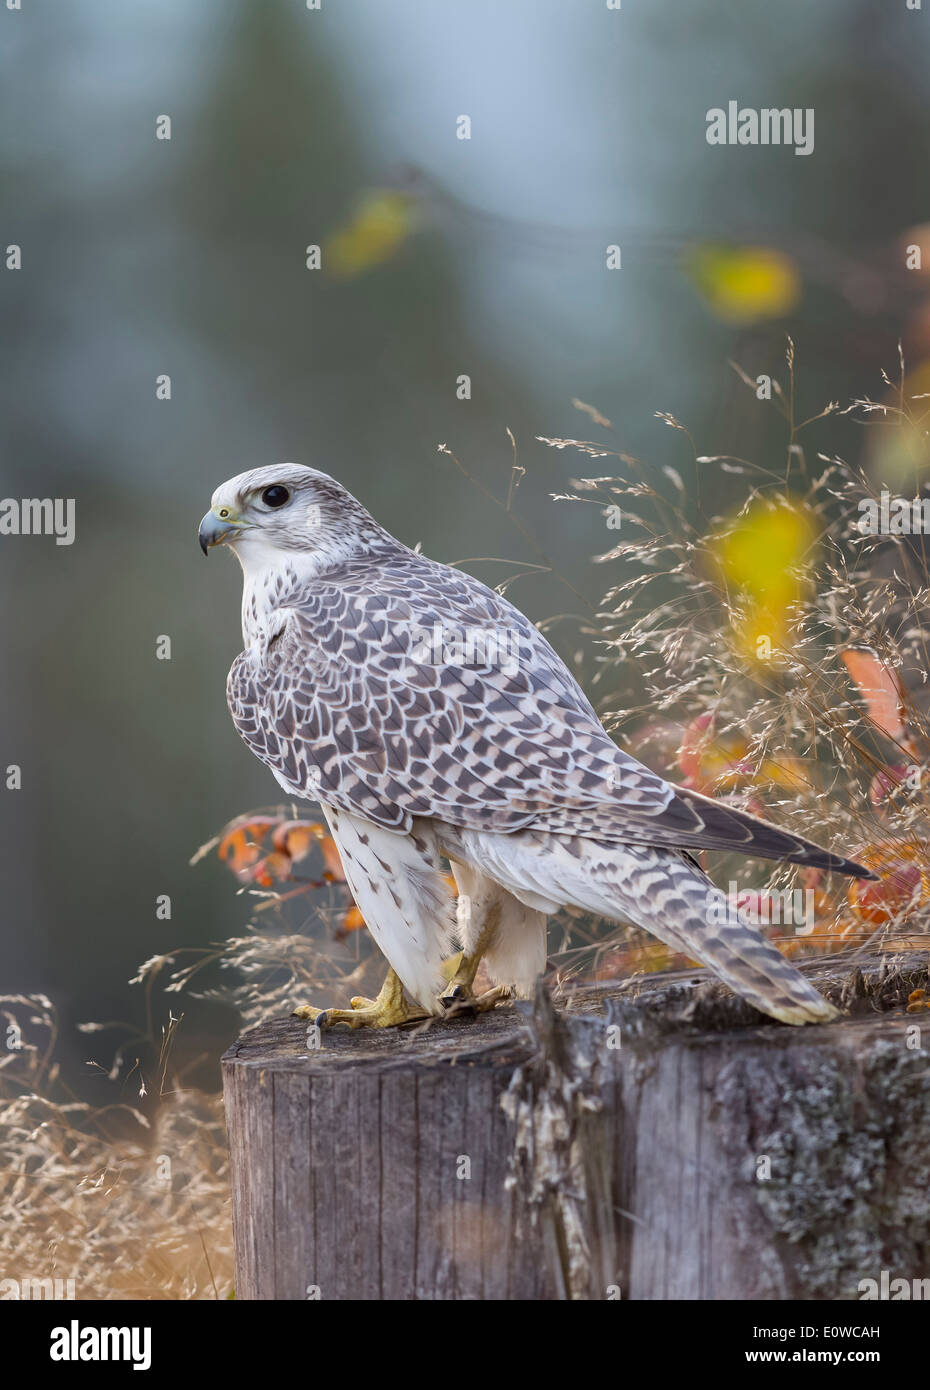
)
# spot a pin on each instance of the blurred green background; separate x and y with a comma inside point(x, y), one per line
point(442, 256)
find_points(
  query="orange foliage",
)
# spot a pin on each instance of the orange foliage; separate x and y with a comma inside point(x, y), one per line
point(242, 848)
point(903, 887)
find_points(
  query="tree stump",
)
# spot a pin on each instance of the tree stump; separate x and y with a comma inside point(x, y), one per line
point(656, 1139)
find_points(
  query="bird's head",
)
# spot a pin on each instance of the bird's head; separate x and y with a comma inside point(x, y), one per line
point(286, 511)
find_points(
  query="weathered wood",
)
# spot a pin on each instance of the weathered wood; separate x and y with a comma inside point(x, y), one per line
point(524, 1155)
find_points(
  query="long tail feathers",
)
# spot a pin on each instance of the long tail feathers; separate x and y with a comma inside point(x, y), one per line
point(662, 891)
point(715, 933)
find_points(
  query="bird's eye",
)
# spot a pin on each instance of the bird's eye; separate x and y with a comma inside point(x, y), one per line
point(275, 496)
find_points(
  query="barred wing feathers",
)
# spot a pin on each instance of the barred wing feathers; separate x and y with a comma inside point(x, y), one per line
point(346, 707)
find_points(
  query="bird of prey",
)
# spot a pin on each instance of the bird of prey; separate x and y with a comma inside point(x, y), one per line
point(431, 720)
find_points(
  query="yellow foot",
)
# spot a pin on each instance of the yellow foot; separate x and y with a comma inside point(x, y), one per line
point(459, 998)
point(459, 994)
point(387, 1011)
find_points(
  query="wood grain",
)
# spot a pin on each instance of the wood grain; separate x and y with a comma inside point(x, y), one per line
point(523, 1155)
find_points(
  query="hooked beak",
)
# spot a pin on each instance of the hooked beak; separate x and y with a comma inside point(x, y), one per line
point(214, 530)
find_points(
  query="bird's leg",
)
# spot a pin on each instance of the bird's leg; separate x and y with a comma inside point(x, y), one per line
point(389, 1009)
point(460, 993)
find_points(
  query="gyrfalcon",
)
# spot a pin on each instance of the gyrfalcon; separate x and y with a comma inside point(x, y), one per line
point(430, 719)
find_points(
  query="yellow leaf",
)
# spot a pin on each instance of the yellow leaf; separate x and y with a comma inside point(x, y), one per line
point(743, 284)
point(759, 557)
point(381, 224)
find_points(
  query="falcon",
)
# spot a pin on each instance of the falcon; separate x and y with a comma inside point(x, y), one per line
point(432, 721)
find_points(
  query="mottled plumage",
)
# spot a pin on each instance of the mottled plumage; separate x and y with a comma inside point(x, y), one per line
point(427, 715)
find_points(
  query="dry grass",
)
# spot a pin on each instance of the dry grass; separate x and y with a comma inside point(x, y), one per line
point(125, 1205)
point(792, 736)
